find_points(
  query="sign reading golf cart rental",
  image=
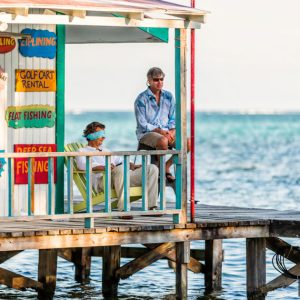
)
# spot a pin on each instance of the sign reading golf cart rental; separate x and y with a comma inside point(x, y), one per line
point(35, 80)
point(7, 44)
point(39, 165)
point(41, 43)
point(30, 116)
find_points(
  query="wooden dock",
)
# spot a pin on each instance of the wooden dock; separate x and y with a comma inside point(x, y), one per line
point(70, 239)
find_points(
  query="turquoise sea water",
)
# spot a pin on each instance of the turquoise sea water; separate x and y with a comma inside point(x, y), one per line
point(242, 160)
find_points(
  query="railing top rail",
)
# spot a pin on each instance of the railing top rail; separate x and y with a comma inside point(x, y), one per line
point(73, 154)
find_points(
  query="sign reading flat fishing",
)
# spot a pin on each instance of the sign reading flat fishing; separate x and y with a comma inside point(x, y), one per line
point(2, 163)
point(42, 43)
point(30, 116)
point(7, 44)
point(35, 80)
point(39, 165)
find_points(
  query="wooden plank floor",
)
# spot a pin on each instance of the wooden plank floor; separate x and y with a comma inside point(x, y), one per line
point(206, 216)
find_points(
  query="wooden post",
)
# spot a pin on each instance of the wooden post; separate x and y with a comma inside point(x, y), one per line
point(47, 273)
point(182, 260)
point(256, 267)
point(82, 261)
point(213, 265)
point(111, 263)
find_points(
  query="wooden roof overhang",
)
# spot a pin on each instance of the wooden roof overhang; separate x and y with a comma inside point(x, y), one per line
point(125, 13)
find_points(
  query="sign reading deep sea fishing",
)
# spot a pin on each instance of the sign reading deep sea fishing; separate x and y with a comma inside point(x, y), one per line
point(39, 165)
point(7, 44)
point(35, 80)
point(30, 116)
point(2, 163)
point(42, 43)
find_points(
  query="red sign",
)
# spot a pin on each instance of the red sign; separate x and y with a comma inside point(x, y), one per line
point(39, 166)
point(7, 44)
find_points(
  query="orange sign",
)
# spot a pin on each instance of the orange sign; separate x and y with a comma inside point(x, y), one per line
point(7, 44)
point(35, 80)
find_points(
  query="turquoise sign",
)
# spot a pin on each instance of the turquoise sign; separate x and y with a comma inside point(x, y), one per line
point(41, 43)
point(2, 163)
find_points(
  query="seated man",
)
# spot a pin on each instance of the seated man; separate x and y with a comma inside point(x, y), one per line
point(95, 135)
point(155, 116)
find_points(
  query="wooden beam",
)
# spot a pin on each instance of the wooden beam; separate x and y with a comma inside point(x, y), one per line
point(280, 281)
point(145, 260)
point(17, 281)
point(194, 265)
point(132, 237)
point(256, 267)
point(194, 18)
point(111, 263)
point(18, 11)
point(134, 15)
point(213, 265)
point(182, 260)
point(97, 21)
point(47, 273)
point(4, 256)
point(65, 254)
point(284, 249)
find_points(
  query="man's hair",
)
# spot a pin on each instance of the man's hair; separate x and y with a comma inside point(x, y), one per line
point(155, 72)
point(91, 128)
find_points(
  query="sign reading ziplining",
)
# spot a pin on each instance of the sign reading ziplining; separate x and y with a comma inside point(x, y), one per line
point(35, 80)
point(42, 43)
point(39, 165)
point(7, 44)
point(30, 116)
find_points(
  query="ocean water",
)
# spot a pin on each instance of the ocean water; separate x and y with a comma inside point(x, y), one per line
point(241, 160)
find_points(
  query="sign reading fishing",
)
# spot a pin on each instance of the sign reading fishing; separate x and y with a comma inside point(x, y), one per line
point(42, 43)
point(35, 80)
point(30, 116)
point(39, 165)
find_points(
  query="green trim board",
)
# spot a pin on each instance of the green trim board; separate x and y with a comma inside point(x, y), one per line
point(60, 115)
point(159, 33)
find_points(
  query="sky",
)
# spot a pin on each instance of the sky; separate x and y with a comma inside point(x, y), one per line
point(247, 60)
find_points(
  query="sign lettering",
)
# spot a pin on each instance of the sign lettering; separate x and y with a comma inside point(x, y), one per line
point(7, 44)
point(41, 44)
point(30, 116)
point(39, 166)
point(35, 80)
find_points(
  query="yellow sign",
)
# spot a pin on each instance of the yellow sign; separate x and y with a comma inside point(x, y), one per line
point(35, 80)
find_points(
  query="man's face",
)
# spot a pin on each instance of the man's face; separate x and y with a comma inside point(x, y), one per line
point(156, 83)
point(100, 140)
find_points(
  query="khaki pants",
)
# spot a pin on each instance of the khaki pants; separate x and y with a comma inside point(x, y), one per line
point(117, 179)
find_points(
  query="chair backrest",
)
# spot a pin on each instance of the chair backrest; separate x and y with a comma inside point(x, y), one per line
point(78, 175)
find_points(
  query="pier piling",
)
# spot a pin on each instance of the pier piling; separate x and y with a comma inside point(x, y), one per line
point(182, 260)
point(111, 263)
point(213, 265)
point(256, 267)
point(47, 273)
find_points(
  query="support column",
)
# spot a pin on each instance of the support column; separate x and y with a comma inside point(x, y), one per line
point(82, 261)
point(213, 265)
point(47, 273)
point(182, 260)
point(111, 263)
point(256, 267)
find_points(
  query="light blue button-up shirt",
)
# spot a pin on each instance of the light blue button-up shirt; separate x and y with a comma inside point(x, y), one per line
point(149, 115)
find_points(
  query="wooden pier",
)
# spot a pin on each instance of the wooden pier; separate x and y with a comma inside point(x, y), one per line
point(161, 239)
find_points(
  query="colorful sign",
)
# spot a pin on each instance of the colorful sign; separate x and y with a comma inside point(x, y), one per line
point(41, 44)
point(30, 116)
point(35, 80)
point(7, 44)
point(2, 163)
point(39, 166)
